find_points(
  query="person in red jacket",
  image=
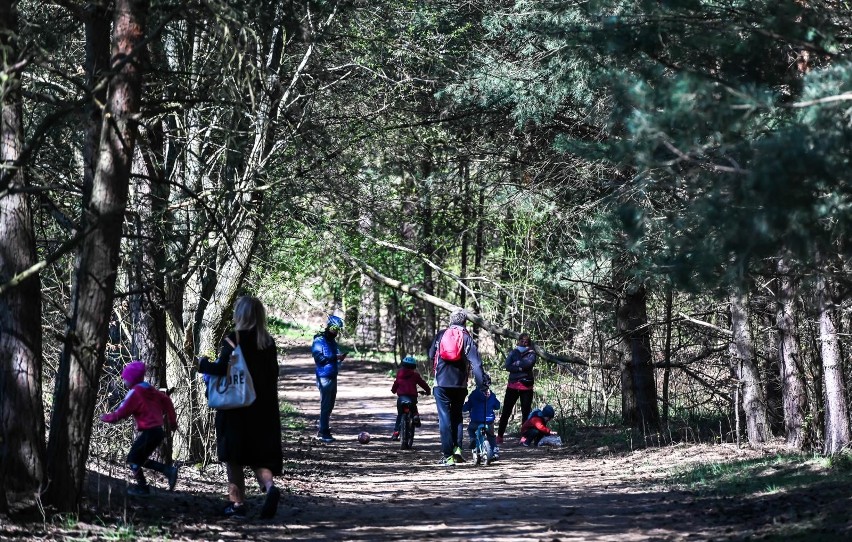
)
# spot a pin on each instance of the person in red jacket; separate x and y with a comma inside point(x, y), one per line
point(535, 428)
point(148, 406)
point(405, 386)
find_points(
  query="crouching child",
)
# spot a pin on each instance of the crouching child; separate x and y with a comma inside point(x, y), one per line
point(535, 432)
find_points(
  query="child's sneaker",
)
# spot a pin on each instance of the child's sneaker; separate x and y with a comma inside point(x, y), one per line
point(171, 475)
point(395, 435)
point(417, 421)
point(524, 442)
point(139, 491)
point(457, 455)
point(234, 510)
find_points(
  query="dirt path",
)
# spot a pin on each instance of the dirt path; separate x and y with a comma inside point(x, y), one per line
point(349, 491)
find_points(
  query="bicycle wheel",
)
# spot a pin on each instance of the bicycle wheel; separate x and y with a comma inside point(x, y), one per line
point(406, 425)
point(410, 432)
point(487, 451)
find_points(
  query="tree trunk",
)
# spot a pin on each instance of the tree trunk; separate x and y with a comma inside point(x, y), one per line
point(97, 26)
point(638, 388)
point(742, 358)
point(22, 450)
point(793, 396)
point(667, 353)
point(836, 414)
point(96, 264)
point(148, 262)
point(427, 248)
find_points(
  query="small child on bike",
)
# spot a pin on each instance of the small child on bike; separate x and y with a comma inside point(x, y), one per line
point(149, 407)
point(535, 428)
point(481, 406)
point(405, 386)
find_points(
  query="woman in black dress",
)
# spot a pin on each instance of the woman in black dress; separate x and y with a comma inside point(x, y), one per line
point(250, 436)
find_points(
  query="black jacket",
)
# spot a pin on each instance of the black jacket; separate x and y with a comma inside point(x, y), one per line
point(250, 436)
point(520, 366)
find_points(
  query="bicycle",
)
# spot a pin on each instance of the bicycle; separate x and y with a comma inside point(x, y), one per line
point(408, 422)
point(483, 453)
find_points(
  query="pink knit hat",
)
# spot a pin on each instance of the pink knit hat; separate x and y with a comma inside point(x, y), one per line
point(133, 373)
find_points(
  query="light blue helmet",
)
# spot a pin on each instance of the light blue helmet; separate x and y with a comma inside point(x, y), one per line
point(409, 361)
point(334, 322)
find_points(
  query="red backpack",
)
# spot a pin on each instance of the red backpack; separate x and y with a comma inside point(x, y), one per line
point(451, 346)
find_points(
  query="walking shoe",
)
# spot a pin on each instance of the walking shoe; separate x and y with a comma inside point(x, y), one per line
point(499, 439)
point(270, 504)
point(139, 491)
point(417, 421)
point(448, 462)
point(234, 510)
point(457, 455)
point(524, 443)
point(395, 435)
point(327, 438)
point(171, 474)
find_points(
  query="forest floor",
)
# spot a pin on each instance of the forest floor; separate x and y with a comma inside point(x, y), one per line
point(591, 489)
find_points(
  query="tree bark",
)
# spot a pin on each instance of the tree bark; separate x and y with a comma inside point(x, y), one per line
point(428, 248)
point(97, 25)
point(793, 396)
point(96, 264)
point(742, 359)
point(22, 451)
point(836, 413)
point(638, 388)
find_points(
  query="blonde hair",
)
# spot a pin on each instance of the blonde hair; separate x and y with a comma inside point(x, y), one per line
point(250, 313)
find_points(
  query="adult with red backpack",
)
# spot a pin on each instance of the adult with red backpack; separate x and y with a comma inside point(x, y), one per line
point(453, 351)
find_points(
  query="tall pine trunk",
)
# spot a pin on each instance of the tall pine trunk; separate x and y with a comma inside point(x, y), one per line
point(22, 450)
point(96, 264)
point(742, 359)
point(836, 413)
point(638, 388)
point(793, 397)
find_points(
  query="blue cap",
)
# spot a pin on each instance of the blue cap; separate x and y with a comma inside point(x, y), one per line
point(547, 411)
point(409, 361)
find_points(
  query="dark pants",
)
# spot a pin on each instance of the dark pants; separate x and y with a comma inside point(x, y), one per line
point(402, 398)
point(450, 418)
point(532, 436)
point(146, 442)
point(328, 394)
point(512, 396)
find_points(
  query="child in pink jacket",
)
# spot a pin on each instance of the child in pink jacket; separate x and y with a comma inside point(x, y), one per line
point(405, 386)
point(149, 407)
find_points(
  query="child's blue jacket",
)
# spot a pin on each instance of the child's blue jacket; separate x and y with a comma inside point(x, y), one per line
point(481, 409)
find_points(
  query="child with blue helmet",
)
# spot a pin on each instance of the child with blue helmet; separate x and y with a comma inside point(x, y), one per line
point(405, 386)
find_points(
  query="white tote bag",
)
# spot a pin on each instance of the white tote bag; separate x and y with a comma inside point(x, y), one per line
point(235, 389)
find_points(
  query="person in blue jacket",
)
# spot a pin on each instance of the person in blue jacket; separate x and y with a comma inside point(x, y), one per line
point(327, 357)
point(481, 406)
